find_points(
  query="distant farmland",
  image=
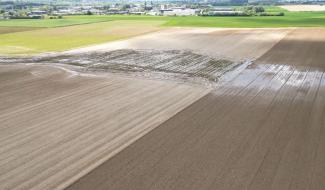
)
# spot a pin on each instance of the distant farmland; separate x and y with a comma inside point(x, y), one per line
point(64, 38)
point(67, 21)
point(304, 7)
point(5, 30)
point(291, 19)
point(303, 19)
point(74, 31)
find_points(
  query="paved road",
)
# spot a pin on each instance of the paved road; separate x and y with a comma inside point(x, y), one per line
point(262, 130)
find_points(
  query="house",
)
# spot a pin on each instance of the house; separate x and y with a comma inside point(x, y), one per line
point(137, 13)
point(224, 13)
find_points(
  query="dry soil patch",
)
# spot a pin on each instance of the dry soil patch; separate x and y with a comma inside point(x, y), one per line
point(57, 126)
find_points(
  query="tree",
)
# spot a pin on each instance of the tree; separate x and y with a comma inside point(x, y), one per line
point(89, 13)
point(21, 13)
point(252, 10)
point(126, 6)
point(258, 9)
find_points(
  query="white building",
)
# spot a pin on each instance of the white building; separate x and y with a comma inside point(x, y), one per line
point(179, 12)
point(153, 13)
point(163, 7)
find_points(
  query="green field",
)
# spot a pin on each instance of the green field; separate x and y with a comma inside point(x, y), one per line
point(77, 31)
point(64, 38)
point(308, 19)
point(291, 19)
point(67, 21)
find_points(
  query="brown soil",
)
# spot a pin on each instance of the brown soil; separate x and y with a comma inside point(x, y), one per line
point(56, 126)
point(231, 44)
point(264, 129)
point(5, 29)
point(159, 64)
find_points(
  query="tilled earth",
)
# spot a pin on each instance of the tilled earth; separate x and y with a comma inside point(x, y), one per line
point(164, 64)
point(265, 129)
point(56, 126)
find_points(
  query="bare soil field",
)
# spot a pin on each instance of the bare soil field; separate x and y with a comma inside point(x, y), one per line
point(230, 44)
point(178, 65)
point(62, 127)
point(264, 129)
point(301, 48)
point(197, 55)
point(57, 125)
point(304, 7)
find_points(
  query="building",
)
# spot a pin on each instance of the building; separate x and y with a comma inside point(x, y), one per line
point(38, 13)
point(177, 11)
point(224, 13)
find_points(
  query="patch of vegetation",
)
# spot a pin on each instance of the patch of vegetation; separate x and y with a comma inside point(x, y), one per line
point(270, 14)
point(64, 38)
point(56, 17)
point(290, 19)
point(260, 11)
point(274, 9)
point(252, 10)
point(6, 30)
point(84, 30)
point(49, 23)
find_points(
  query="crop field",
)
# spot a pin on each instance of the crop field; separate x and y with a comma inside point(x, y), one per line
point(64, 38)
point(5, 30)
point(50, 35)
point(237, 44)
point(114, 112)
point(291, 19)
point(66, 126)
point(183, 54)
point(67, 21)
point(169, 64)
point(164, 103)
point(262, 130)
